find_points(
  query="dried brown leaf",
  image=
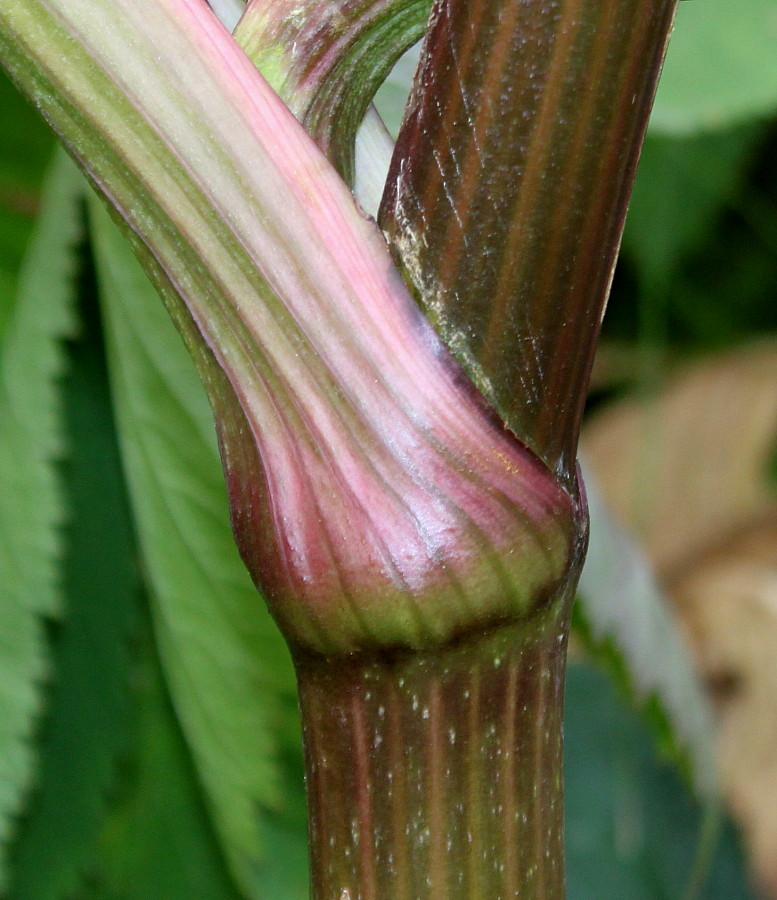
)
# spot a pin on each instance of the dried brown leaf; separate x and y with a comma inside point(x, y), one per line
point(687, 472)
point(728, 605)
point(688, 466)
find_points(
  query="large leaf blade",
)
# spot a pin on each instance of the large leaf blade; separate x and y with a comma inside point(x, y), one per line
point(31, 506)
point(84, 732)
point(157, 841)
point(229, 671)
point(634, 831)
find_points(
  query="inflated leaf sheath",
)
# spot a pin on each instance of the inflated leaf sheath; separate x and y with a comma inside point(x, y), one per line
point(374, 496)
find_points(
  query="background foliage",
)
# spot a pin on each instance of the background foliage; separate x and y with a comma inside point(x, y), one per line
point(149, 744)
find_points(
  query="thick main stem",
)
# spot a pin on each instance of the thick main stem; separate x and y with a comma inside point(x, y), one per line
point(438, 774)
point(508, 189)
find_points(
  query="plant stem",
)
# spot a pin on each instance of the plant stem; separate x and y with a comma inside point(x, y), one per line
point(508, 189)
point(438, 774)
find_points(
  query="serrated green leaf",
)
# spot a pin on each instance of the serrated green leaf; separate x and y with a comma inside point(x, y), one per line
point(721, 66)
point(31, 508)
point(623, 619)
point(158, 843)
point(85, 729)
point(228, 669)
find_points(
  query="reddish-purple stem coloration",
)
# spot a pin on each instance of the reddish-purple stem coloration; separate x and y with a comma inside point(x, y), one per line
point(508, 189)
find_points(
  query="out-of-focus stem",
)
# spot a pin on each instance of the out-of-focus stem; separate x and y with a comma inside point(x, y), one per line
point(437, 775)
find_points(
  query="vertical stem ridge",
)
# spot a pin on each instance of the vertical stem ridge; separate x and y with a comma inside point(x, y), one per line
point(364, 799)
point(437, 869)
point(397, 794)
point(536, 769)
point(444, 782)
point(473, 834)
point(510, 762)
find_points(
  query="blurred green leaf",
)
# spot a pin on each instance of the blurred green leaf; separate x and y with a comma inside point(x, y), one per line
point(86, 726)
point(699, 263)
point(31, 507)
point(681, 188)
point(158, 843)
point(228, 668)
point(633, 830)
point(725, 293)
point(623, 620)
point(721, 66)
point(27, 142)
point(24, 153)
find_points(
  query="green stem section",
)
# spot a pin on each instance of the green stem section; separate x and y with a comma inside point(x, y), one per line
point(327, 58)
point(438, 774)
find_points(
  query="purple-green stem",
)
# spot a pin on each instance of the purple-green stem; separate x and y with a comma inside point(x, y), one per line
point(419, 559)
point(508, 189)
point(436, 775)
